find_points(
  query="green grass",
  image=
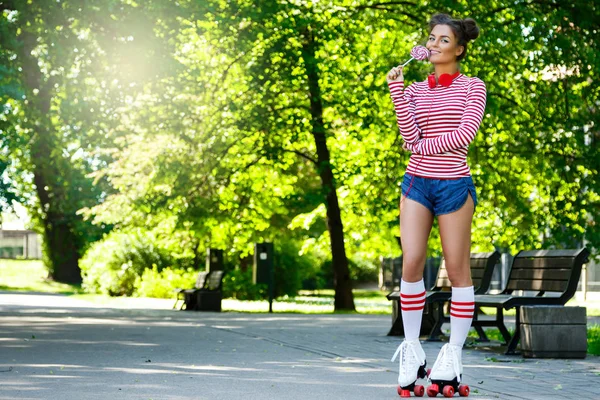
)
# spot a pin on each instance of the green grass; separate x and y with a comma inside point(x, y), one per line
point(593, 334)
point(30, 276)
point(315, 302)
point(491, 333)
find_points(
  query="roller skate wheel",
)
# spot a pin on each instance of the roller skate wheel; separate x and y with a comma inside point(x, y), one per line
point(463, 390)
point(433, 390)
point(448, 391)
point(419, 390)
point(403, 392)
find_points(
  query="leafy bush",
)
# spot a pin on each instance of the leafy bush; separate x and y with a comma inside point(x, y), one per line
point(593, 333)
point(291, 268)
point(363, 270)
point(238, 284)
point(162, 284)
point(321, 279)
point(112, 266)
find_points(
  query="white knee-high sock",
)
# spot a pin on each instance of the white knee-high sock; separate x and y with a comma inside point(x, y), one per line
point(462, 307)
point(412, 303)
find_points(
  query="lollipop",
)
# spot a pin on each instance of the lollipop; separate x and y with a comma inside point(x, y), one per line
point(418, 52)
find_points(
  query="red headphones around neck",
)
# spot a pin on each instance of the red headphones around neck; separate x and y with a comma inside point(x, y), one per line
point(444, 80)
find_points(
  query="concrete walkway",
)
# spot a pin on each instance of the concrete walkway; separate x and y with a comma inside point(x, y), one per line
point(53, 348)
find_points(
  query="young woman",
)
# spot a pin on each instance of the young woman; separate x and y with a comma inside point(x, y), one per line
point(438, 118)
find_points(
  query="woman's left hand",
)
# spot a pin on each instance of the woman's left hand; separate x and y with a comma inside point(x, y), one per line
point(412, 147)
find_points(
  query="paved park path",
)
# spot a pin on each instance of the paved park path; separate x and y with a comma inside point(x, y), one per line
point(52, 347)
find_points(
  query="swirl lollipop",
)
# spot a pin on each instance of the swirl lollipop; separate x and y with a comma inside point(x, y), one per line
point(418, 52)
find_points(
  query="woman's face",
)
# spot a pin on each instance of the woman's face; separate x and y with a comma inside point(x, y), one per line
point(443, 45)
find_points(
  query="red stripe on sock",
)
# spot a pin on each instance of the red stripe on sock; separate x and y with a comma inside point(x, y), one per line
point(413, 308)
point(412, 296)
point(461, 316)
point(464, 309)
point(461, 312)
point(462, 303)
point(413, 302)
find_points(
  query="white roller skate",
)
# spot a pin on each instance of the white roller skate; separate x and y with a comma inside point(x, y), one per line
point(446, 374)
point(412, 367)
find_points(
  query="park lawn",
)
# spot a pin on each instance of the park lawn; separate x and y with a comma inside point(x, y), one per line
point(31, 276)
point(593, 334)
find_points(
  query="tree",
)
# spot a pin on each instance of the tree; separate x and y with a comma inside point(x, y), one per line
point(233, 122)
point(58, 106)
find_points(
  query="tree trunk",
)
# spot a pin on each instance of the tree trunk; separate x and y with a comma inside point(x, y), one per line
point(61, 249)
point(344, 299)
point(61, 242)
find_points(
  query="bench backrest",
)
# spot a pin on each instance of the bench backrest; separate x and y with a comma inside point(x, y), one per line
point(201, 280)
point(547, 271)
point(482, 268)
point(215, 279)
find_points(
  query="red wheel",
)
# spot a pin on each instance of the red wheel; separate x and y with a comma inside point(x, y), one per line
point(403, 392)
point(463, 390)
point(448, 391)
point(433, 390)
point(428, 371)
point(419, 390)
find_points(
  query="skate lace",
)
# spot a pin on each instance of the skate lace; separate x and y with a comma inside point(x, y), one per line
point(447, 359)
point(402, 352)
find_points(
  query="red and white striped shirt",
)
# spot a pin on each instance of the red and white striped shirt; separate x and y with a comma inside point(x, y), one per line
point(438, 124)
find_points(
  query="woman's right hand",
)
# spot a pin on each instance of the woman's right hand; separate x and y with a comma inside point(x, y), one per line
point(395, 75)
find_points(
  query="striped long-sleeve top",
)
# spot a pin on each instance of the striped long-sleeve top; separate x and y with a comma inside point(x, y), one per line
point(438, 124)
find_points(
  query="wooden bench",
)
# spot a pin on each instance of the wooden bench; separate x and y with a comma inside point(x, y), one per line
point(206, 294)
point(482, 267)
point(543, 277)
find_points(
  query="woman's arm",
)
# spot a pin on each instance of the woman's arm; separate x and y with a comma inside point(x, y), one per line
point(405, 111)
point(469, 124)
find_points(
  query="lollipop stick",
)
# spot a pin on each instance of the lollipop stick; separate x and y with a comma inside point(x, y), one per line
point(412, 58)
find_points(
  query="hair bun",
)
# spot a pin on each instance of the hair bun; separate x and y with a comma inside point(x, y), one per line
point(470, 28)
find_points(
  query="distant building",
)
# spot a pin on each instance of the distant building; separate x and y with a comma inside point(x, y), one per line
point(20, 244)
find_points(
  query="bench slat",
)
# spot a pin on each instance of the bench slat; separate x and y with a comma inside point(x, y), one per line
point(479, 263)
point(201, 280)
point(554, 274)
point(542, 263)
point(492, 300)
point(214, 280)
point(444, 283)
point(551, 253)
point(538, 284)
point(485, 256)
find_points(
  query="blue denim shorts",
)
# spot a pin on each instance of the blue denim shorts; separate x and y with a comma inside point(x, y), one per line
point(440, 196)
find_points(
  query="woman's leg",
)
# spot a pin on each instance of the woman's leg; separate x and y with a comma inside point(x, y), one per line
point(415, 226)
point(455, 233)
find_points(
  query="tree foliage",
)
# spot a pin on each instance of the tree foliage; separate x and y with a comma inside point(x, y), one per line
point(201, 121)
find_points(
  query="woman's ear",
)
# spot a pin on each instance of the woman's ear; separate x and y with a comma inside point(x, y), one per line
point(459, 50)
